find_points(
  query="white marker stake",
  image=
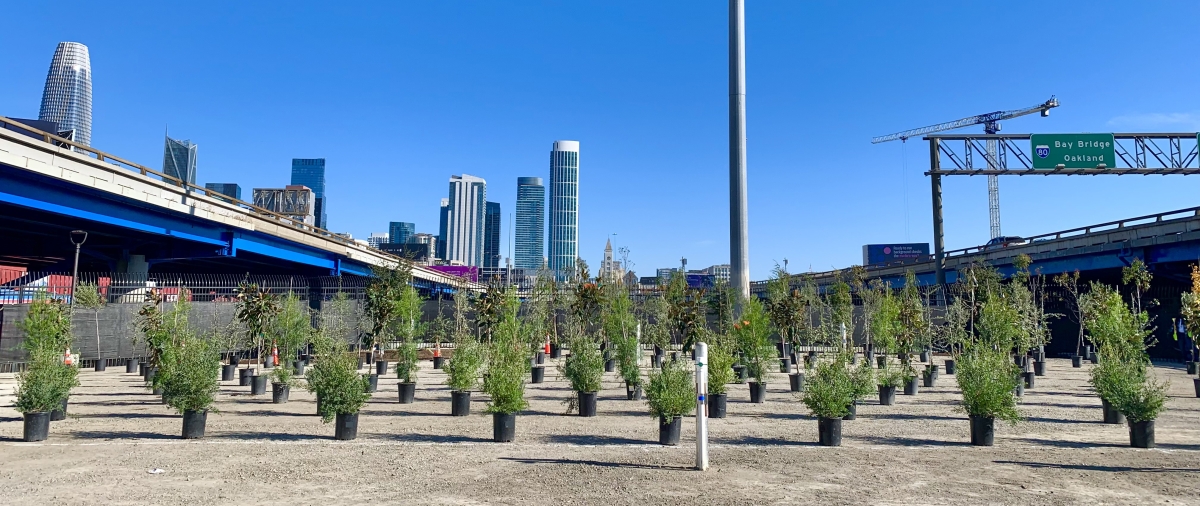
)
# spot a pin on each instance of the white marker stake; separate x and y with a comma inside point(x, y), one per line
point(701, 406)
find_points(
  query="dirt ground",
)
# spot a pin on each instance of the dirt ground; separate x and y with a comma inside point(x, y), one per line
point(914, 452)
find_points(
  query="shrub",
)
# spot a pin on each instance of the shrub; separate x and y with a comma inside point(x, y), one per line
point(863, 379)
point(830, 390)
point(47, 381)
point(407, 362)
point(462, 370)
point(190, 368)
point(339, 386)
point(671, 392)
point(891, 376)
point(987, 378)
point(753, 338)
point(720, 369)
point(1141, 399)
point(289, 330)
point(508, 360)
point(584, 367)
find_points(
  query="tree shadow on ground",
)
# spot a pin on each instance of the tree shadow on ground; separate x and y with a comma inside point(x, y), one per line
point(11, 418)
point(761, 441)
point(595, 440)
point(782, 416)
point(910, 441)
point(263, 412)
point(367, 412)
point(264, 436)
point(1059, 443)
point(906, 416)
point(116, 403)
point(124, 415)
point(433, 438)
point(121, 434)
point(1060, 405)
point(595, 463)
point(1112, 469)
point(1043, 419)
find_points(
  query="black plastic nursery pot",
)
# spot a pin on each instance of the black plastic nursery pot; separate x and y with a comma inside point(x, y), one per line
point(928, 379)
point(853, 412)
point(740, 373)
point(258, 384)
point(1093, 358)
point(539, 373)
point(1141, 434)
point(227, 372)
point(60, 413)
point(1029, 379)
point(280, 392)
point(656, 361)
point(438, 362)
point(1039, 367)
point(785, 365)
point(555, 351)
point(37, 426)
point(587, 403)
point(758, 392)
point(1076, 361)
point(610, 365)
point(796, 381)
point(869, 356)
point(910, 386)
point(1191, 368)
point(101, 364)
point(1196, 384)
point(460, 403)
point(372, 383)
point(829, 431)
point(142, 368)
point(634, 393)
point(1111, 415)
point(244, 377)
point(406, 392)
point(887, 395)
point(983, 430)
point(668, 431)
point(298, 367)
point(674, 356)
point(881, 361)
point(193, 424)
point(318, 403)
point(381, 367)
point(345, 427)
point(361, 362)
point(951, 366)
point(925, 356)
point(932, 369)
point(504, 427)
point(716, 405)
point(150, 372)
point(541, 358)
point(131, 366)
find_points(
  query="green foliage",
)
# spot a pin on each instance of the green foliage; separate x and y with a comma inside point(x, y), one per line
point(1139, 277)
point(885, 323)
point(786, 307)
point(620, 326)
point(46, 381)
point(462, 370)
point(987, 376)
point(684, 310)
point(256, 308)
point(1140, 399)
point(289, 331)
point(720, 301)
point(892, 376)
point(830, 389)
point(656, 327)
point(862, 377)
point(753, 337)
point(408, 325)
point(379, 305)
point(47, 327)
point(508, 361)
point(407, 362)
point(671, 392)
point(338, 385)
point(1124, 375)
point(584, 366)
point(720, 368)
point(190, 368)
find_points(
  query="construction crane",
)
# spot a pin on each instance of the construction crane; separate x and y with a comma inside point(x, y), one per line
point(991, 125)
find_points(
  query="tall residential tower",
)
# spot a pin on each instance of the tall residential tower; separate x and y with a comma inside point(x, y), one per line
point(67, 97)
point(530, 224)
point(564, 208)
point(310, 172)
point(491, 236)
point(465, 213)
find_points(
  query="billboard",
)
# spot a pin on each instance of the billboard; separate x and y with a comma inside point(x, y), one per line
point(876, 254)
point(462, 271)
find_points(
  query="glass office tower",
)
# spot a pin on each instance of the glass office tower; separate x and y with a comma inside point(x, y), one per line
point(310, 172)
point(564, 208)
point(465, 220)
point(491, 236)
point(67, 97)
point(226, 189)
point(530, 223)
point(400, 231)
point(179, 160)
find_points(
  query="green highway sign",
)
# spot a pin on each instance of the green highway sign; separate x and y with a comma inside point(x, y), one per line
point(1073, 151)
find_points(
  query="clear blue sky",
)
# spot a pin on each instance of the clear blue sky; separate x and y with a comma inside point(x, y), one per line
point(400, 95)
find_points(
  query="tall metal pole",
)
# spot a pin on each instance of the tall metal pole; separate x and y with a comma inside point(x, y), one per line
point(75, 271)
point(701, 406)
point(739, 242)
point(939, 240)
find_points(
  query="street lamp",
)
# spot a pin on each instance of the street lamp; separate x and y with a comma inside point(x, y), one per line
point(78, 237)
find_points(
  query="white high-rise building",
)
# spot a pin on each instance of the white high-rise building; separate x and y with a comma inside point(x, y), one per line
point(377, 238)
point(564, 208)
point(465, 220)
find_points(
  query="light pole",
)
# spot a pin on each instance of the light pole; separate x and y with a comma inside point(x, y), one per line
point(739, 242)
point(78, 237)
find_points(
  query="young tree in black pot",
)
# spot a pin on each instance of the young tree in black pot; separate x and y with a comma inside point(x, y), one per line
point(862, 376)
point(46, 383)
point(506, 367)
point(189, 371)
point(256, 308)
point(620, 327)
point(408, 328)
point(753, 335)
point(341, 392)
point(828, 394)
point(290, 330)
point(671, 394)
point(462, 373)
point(583, 368)
point(1190, 310)
point(380, 308)
point(986, 376)
point(720, 372)
point(88, 296)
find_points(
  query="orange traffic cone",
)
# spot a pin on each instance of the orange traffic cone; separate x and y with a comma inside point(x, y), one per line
point(275, 355)
point(547, 347)
point(67, 359)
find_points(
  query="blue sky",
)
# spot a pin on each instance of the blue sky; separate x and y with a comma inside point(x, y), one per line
point(400, 95)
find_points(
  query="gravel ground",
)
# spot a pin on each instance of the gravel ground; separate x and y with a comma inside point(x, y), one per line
point(914, 452)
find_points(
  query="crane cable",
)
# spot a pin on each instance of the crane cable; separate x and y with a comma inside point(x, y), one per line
point(904, 180)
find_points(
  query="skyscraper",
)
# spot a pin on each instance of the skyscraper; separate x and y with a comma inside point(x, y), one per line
point(564, 208)
point(443, 229)
point(179, 160)
point(491, 236)
point(310, 172)
point(531, 223)
point(67, 97)
point(400, 231)
point(465, 220)
point(227, 189)
point(377, 238)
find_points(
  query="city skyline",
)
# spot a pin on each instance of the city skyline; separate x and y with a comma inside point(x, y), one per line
point(67, 95)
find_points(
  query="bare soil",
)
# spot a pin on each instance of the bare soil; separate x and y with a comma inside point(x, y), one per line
point(914, 452)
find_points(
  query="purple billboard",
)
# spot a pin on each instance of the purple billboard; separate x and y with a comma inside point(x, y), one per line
point(460, 271)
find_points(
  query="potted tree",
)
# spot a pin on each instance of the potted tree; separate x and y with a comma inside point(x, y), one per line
point(341, 392)
point(88, 296)
point(829, 393)
point(256, 308)
point(754, 342)
point(986, 376)
point(863, 378)
point(46, 383)
point(1190, 302)
point(620, 326)
point(189, 369)
point(380, 310)
point(409, 328)
point(720, 374)
point(462, 373)
point(505, 380)
point(583, 368)
point(671, 394)
point(290, 330)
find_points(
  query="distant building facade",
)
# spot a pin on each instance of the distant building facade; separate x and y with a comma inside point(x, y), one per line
point(491, 236)
point(465, 217)
point(310, 172)
point(377, 238)
point(231, 190)
point(443, 229)
point(564, 208)
point(67, 97)
point(529, 250)
point(294, 201)
point(400, 231)
point(179, 160)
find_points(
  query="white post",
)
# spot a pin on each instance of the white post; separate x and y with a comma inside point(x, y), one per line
point(701, 406)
